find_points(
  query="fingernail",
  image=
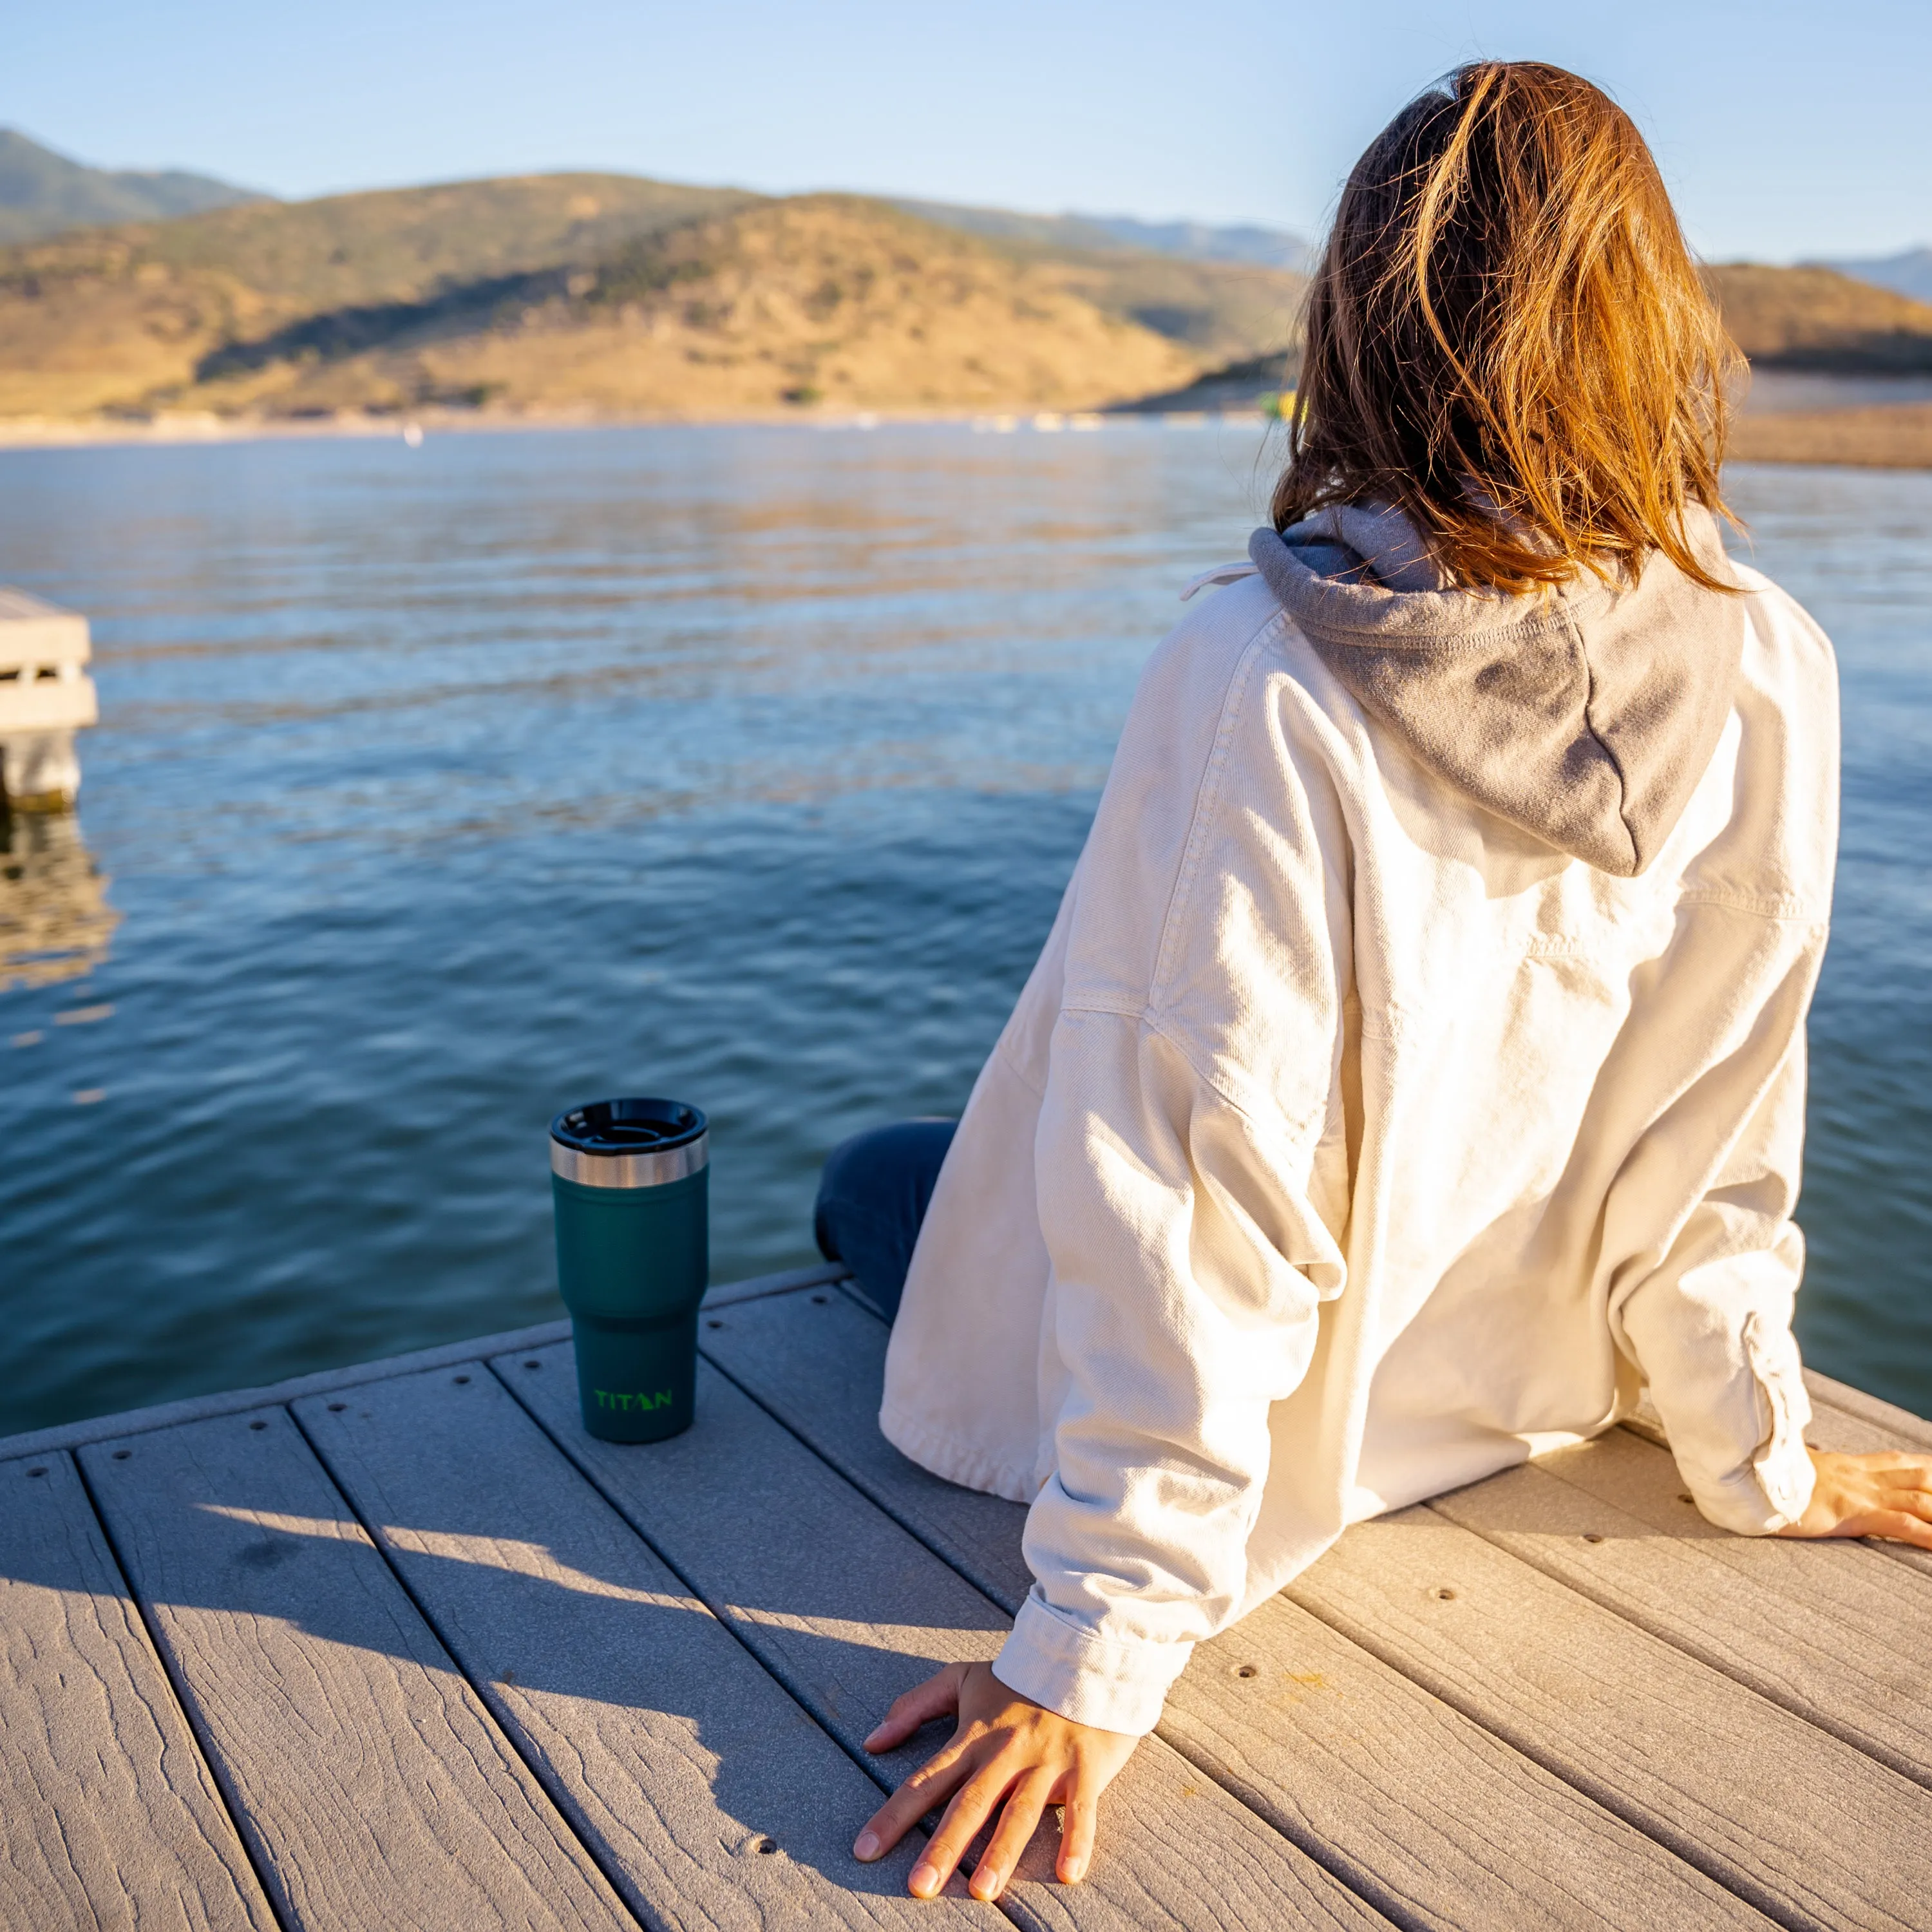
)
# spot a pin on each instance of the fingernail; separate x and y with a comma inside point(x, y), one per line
point(985, 1883)
point(925, 1880)
point(866, 1846)
point(1074, 1870)
point(872, 1742)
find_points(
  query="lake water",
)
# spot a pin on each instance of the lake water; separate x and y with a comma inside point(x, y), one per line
point(437, 789)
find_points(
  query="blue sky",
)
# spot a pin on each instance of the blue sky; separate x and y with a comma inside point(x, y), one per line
point(1785, 130)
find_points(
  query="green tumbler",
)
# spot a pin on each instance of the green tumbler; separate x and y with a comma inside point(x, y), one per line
point(629, 1179)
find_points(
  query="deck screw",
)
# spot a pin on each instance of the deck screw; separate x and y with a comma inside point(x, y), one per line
point(768, 1845)
point(1244, 1670)
point(1591, 1536)
point(336, 1407)
point(820, 1300)
point(460, 1380)
point(122, 1455)
point(714, 1323)
point(258, 1424)
point(1445, 1595)
point(533, 1364)
point(40, 1471)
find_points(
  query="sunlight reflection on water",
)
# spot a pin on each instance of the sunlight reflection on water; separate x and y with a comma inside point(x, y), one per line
point(440, 788)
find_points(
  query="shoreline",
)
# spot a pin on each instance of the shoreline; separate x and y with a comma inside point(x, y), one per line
point(56, 433)
point(1897, 435)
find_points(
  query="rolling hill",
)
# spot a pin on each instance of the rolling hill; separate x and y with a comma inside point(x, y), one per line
point(598, 294)
point(42, 193)
point(1910, 271)
point(603, 293)
point(1818, 319)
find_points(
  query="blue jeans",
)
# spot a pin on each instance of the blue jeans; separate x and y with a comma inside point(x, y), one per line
point(872, 1198)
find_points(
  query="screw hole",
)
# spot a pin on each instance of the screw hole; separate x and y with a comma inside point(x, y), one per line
point(460, 1380)
point(1445, 1595)
point(122, 1455)
point(258, 1424)
point(1684, 1499)
point(533, 1365)
point(768, 1845)
point(336, 1407)
point(820, 1300)
point(1591, 1536)
point(1244, 1670)
point(40, 1471)
point(714, 1323)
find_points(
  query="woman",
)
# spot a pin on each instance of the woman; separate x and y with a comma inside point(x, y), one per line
point(1415, 1072)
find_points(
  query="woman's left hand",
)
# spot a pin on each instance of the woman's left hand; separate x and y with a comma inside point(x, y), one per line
point(1887, 1493)
point(1006, 1749)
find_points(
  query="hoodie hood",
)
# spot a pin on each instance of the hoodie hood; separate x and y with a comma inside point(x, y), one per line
point(1585, 714)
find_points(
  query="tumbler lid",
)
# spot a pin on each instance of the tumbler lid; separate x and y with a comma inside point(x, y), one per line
point(629, 1143)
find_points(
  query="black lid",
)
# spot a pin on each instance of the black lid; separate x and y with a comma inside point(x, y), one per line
point(628, 1126)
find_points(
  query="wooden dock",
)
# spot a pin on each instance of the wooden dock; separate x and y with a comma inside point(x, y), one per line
point(399, 1646)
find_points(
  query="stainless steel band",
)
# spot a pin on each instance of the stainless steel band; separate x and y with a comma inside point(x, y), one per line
point(651, 1168)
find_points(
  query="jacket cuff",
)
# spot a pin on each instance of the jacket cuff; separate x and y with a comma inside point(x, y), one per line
point(1775, 1487)
point(1112, 1685)
point(1764, 1495)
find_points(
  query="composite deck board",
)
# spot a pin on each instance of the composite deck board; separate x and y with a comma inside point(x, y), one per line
point(1420, 1809)
point(1813, 1831)
point(848, 1610)
point(1900, 1423)
point(371, 1786)
point(1827, 1629)
point(711, 1799)
point(110, 1816)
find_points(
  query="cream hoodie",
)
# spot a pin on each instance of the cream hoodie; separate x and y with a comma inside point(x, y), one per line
point(1414, 1071)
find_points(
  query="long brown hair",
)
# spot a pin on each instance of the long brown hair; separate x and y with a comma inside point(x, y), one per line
point(1507, 338)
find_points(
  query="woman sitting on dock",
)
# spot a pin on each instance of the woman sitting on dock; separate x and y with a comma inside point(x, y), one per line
point(1414, 1074)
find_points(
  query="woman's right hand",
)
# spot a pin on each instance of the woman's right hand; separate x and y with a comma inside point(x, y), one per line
point(1886, 1493)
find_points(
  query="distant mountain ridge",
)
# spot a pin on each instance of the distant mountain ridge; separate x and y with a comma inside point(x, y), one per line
point(1193, 241)
point(42, 193)
point(1909, 272)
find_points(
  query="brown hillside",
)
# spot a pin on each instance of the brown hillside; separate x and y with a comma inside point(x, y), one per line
point(1818, 319)
point(1221, 311)
point(104, 318)
point(787, 303)
point(777, 305)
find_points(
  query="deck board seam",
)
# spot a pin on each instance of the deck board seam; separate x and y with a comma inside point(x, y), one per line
point(232, 1809)
point(566, 1811)
point(1388, 1907)
point(1011, 1908)
point(1377, 1899)
point(1651, 1824)
point(1894, 1762)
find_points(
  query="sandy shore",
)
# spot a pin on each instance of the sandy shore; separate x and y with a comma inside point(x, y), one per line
point(1895, 436)
point(53, 432)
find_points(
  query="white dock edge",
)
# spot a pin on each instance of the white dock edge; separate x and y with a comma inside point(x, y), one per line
point(230, 1402)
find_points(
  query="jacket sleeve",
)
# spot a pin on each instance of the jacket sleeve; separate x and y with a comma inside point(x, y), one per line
point(1709, 1325)
point(1183, 1165)
point(1186, 1279)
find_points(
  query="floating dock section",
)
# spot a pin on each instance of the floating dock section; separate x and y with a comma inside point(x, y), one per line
point(46, 696)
